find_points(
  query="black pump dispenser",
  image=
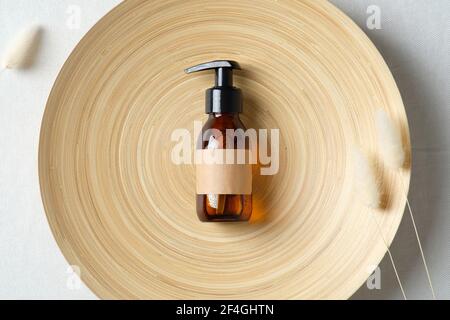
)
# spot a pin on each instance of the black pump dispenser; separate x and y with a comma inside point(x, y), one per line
point(223, 97)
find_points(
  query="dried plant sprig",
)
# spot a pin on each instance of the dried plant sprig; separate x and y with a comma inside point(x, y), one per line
point(368, 189)
point(390, 140)
point(20, 53)
point(365, 180)
point(393, 154)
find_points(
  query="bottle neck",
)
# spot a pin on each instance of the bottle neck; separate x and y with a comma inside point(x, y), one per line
point(223, 115)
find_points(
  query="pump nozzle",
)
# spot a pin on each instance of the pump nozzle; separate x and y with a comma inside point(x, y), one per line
point(223, 68)
point(223, 97)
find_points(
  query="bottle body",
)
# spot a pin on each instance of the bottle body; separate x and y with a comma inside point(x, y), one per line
point(222, 207)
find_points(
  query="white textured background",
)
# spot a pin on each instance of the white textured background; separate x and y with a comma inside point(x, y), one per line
point(415, 41)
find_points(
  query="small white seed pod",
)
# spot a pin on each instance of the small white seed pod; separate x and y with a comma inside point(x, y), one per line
point(20, 53)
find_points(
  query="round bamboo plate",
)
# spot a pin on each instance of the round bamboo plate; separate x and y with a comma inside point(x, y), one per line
point(125, 214)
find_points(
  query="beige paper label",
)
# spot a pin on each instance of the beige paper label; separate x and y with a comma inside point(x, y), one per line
point(221, 176)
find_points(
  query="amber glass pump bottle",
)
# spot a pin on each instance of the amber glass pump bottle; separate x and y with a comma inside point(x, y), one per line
point(223, 190)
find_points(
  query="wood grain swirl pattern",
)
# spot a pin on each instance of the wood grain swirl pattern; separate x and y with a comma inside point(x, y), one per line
point(125, 214)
